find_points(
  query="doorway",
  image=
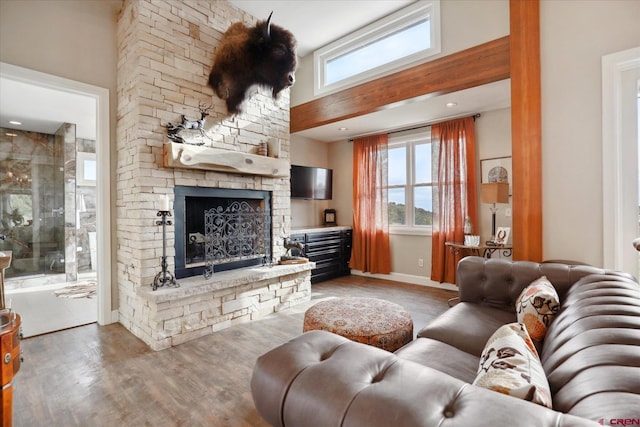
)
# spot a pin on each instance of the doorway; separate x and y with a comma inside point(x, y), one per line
point(621, 162)
point(76, 249)
point(47, 219)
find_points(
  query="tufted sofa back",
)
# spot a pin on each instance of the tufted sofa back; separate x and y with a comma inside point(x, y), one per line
point(591, 352)
point(498, 282)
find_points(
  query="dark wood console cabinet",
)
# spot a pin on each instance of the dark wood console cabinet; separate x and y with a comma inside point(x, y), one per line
point(330, 250)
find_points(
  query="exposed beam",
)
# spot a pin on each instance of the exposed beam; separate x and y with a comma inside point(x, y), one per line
point(479, 65)
point(526, 134)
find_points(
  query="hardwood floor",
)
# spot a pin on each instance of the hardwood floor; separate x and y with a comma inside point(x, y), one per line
point(105, 376)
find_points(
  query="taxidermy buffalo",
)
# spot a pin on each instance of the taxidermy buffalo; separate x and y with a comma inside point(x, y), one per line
point(264, 55)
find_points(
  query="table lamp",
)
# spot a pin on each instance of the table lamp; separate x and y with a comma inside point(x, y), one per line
point(494, 192)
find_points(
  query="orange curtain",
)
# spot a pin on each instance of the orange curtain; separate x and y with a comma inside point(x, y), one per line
point(454, 198)
point(370, 250)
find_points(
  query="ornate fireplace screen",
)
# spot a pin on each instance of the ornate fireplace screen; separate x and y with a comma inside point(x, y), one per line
point(235, 233)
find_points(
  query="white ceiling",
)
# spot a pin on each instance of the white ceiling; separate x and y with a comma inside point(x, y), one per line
point(42, 109)
point(314, 23)
point(416, 112)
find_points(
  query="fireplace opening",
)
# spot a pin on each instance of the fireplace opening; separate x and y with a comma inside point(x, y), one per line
point(220, 229)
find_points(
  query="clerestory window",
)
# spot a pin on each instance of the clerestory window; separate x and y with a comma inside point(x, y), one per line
point(397, 41)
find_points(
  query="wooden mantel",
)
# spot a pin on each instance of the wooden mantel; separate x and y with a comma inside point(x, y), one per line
point(206, 158)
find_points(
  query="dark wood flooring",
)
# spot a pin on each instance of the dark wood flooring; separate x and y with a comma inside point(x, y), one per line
point(104, 376)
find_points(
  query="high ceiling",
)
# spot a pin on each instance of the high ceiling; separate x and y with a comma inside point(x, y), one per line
point(43, 109)
point(418, 111)
point(315, 23)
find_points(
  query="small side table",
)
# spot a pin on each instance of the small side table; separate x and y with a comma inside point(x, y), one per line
point(485, 251)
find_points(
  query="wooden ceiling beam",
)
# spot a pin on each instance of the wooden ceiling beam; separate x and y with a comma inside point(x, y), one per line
point(476, 66)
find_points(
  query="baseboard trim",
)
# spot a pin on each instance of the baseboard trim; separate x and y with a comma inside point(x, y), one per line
point(407, 278)
point(113, 318)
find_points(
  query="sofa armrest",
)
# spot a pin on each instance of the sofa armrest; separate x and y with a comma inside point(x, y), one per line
point(498, 282)
point(321, 379)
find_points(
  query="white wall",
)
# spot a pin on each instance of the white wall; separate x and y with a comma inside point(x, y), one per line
point(574, 37)
point(341, 159)
point(489, 20)
point(493, 139)
point(75, 39)
point(308, 152)
point(493, 135)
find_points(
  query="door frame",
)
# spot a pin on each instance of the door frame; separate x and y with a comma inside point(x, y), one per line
point(617, 244)
point(103, 188)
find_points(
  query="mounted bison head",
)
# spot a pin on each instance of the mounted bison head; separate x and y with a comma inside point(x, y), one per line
point(264, 55)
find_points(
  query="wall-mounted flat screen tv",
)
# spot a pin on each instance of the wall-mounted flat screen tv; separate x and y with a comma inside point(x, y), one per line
point(311, 183)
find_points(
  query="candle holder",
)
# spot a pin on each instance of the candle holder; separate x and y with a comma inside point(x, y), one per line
point(164, 277)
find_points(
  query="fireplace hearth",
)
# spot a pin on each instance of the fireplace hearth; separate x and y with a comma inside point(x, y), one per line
point(220, 229)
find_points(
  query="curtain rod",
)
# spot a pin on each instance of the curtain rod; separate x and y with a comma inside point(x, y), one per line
point(426, 125)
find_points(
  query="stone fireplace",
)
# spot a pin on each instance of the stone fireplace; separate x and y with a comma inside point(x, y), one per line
point(165, 54)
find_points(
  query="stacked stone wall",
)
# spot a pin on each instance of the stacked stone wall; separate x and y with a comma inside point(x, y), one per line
point(166, 51)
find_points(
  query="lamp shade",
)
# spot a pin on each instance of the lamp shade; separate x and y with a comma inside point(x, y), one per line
point(495, 192)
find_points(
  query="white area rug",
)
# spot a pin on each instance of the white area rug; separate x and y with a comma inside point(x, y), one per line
point(43, 312)
point(79, 290)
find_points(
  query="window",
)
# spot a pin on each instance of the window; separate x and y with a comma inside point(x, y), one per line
point(399, 40)
point(86, 165)
point(409, 183)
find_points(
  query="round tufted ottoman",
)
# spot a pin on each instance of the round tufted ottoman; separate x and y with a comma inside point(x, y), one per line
point(370, 321)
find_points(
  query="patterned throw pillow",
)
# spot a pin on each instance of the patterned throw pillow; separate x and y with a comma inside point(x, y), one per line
point(536, 306)
point(509, 364)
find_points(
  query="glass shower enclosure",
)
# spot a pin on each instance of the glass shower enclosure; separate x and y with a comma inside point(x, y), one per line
point(41, 207)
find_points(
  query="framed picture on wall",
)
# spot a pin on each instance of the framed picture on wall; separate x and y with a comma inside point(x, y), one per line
point(497, 169)
point(330, 217)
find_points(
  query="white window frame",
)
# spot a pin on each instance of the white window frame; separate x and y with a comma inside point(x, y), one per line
point(371, 33)
point(410, 140)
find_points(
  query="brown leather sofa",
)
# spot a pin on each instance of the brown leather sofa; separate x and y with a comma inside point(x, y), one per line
point(591, 355)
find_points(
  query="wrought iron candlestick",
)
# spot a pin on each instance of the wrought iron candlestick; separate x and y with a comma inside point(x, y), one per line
point(164, 277)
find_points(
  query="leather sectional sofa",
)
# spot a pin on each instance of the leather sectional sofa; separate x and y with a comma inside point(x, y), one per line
point(590, 354)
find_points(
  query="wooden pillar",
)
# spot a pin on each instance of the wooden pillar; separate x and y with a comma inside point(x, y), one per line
point(526, 132)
